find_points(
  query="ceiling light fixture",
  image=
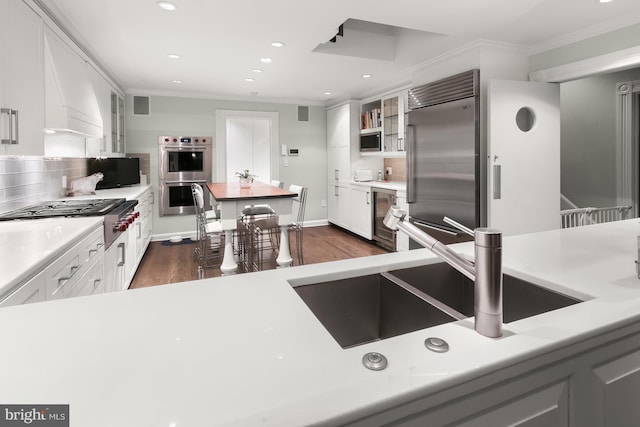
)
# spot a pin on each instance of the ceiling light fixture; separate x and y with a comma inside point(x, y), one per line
point(265, 60)
point(174, 56)
point(249, 79)
point(366, 76)
point(327, 93)
point(167, 6)
point(177, 82)
point(604, 1)
point(256, 70)
point(277, 44)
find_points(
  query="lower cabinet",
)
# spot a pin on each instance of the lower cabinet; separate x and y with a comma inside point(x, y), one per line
point(593, 383)
point(114, 265)
point(402, 240)
point(32, 291)
point(360, 214)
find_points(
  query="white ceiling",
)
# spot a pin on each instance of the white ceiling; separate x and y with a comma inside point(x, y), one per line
point(221, 42)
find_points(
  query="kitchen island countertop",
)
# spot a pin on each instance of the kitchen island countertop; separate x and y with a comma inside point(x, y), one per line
point(244, 350)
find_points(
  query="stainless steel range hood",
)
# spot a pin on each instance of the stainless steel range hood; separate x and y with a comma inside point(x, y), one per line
point(71, 105)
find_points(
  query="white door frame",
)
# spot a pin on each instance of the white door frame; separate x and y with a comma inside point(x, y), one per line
point(627, 166)
point(220, 151)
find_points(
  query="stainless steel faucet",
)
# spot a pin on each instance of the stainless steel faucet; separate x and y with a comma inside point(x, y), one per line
point(486, 272)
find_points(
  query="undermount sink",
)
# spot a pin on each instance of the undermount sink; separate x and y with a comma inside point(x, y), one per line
point(373, 307)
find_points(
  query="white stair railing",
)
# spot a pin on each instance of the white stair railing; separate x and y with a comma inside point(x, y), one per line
point(586, 216)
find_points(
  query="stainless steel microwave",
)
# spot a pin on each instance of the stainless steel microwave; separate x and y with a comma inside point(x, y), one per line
point(370, 142)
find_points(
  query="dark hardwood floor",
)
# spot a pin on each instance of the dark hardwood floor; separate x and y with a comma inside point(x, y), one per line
point(173, 263)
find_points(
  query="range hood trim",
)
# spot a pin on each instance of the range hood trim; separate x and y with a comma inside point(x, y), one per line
point(71, 105)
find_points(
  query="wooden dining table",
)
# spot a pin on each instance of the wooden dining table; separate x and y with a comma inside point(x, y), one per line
point(233, 199)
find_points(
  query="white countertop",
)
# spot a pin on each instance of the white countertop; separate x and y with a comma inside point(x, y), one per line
point(389, 185)
point(26, 246)
point(245, 350)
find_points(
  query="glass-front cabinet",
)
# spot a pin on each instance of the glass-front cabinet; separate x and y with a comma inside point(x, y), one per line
point(385, 116)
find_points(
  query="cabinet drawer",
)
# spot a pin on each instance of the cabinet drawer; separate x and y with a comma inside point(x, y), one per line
point(64, 273)
point(32, 291)
point(91, 283)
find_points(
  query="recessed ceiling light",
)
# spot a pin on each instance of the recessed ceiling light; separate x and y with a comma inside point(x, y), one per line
point(177, 82)
point(327, 93)
point(167, 5)
point(265, 60)
point(49, 131)
point(256, 70)
point(277, 44)
point(604, 1)
point(366, 76)
point(174, 56)
point(249, 79)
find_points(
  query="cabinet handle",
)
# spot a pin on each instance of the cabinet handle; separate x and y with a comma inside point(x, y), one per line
point(139, 234)
point(15, 140)
point(368, 198)
point(73, 270)
point(497, 182)
point(336, 192)
point(121, 246)
point(96, 283)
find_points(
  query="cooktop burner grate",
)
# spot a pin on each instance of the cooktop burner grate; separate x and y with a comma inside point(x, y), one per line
point(56, 208)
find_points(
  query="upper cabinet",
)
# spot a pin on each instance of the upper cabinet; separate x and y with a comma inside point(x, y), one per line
point(111, 106)
point(386, 117)
point(21, 83)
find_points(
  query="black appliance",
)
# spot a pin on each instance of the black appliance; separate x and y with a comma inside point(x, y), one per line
point(118, 213)
point(370, 142)
point(117, 171)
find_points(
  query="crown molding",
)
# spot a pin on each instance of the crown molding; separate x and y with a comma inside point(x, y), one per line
point(587, 33)
point(615, 61)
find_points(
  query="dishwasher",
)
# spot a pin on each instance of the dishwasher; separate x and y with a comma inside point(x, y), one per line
point(383, 199)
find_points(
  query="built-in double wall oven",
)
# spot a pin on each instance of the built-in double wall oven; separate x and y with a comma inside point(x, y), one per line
point(182, 161)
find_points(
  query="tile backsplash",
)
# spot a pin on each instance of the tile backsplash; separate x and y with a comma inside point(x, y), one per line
point(398, 169)
point(26, 180)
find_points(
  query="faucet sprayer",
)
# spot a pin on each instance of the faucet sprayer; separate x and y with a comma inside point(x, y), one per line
point(486, 272)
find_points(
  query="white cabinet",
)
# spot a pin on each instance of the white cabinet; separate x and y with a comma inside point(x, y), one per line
point(360, 211)
point(402, 240)
point(385, 116)
point(117, 123)
point(114, 265)
point(144, 223)
point(341, 134)
point(32, 291)
point(21, 83)
point(64, 277)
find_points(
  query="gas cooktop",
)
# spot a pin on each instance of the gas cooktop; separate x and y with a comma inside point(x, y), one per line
point(56, 208)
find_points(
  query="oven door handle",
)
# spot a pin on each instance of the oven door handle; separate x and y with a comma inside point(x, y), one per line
point(190, 181)
point(179, 147)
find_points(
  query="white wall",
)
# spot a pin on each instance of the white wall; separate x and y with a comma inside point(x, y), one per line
point(588, 147)
point(196, 117)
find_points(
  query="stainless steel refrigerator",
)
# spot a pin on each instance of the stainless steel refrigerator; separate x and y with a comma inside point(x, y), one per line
point(443, 153)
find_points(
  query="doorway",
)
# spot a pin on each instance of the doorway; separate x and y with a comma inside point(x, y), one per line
point(247, 140)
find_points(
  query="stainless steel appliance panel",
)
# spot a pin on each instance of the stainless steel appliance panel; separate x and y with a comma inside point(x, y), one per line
point(383, 199)
point(444, 163)
point(183, 158)
point(176, 197)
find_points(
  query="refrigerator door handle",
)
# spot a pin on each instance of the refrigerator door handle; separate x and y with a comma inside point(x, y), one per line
point(411, 164)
